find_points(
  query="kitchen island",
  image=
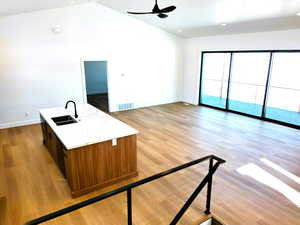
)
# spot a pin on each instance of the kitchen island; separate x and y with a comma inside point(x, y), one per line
point(93, 150)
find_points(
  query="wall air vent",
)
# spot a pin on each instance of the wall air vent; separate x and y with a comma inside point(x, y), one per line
point(126, 106)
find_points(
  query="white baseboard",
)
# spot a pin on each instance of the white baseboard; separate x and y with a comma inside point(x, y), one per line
point(35, 121)
point(19, 123)
point(188, 101)
point(137, 106)
point(168, 101)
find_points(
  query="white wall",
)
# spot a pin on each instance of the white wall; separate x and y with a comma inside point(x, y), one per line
point(40, 69)
point(289, 39)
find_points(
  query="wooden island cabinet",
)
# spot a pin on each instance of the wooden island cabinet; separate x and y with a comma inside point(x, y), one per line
point(88, 166)
point(54, 146)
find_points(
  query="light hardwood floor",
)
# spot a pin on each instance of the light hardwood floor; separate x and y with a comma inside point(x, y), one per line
point(31, 184)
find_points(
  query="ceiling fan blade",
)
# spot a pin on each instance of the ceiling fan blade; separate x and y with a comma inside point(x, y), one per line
point(168, 9)
point(140, 13)
point(161, 15)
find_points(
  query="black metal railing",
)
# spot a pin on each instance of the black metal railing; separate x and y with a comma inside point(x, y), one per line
point(128, 188)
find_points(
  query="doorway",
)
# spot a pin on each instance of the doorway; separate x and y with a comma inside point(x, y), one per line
point(96, 85)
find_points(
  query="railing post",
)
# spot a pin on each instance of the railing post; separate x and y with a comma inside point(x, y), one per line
point(129, 207)
point(209, 185)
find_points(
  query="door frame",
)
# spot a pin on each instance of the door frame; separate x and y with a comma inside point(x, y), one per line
point(83, 79)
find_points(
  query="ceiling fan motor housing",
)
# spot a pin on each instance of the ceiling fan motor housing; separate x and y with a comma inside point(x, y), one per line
point(155, 9)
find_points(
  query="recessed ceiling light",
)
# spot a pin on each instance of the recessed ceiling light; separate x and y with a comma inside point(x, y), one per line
point(179, 30)
point(298, 14)
point(224, 24)
point(56, 29)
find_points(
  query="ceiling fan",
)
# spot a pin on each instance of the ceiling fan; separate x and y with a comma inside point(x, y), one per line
point(161, 13)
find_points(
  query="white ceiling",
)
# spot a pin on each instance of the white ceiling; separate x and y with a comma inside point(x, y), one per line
point(192, 18)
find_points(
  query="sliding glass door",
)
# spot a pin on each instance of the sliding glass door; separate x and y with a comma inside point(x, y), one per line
point(215, 79)
point(263, 84)
point(283, 102)
point(249, 74)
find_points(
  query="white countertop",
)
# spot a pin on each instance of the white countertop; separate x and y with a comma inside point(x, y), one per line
point(93, 126)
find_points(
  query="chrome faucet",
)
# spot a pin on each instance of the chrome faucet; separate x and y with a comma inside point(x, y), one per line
point(76, 115)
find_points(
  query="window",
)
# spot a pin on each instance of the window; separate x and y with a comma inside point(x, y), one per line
point(248, 82)
point(283, 102)
point(263, 84)
point(215, 79)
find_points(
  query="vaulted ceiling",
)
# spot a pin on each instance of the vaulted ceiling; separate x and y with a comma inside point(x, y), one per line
point(192, 18)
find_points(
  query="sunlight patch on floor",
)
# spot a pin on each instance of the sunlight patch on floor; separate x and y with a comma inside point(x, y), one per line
point(266, 178)
point(281, 170)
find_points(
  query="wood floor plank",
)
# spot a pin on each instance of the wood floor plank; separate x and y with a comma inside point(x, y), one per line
point(3, 210)
point(31, 185)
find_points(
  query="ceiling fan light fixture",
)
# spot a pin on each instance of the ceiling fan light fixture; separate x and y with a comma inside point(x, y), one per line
point(161, 15)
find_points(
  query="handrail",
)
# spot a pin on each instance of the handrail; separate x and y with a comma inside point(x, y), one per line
point(128, 188)
point(252, 84)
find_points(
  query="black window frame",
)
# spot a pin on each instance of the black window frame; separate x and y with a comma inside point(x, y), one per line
point(226, 109)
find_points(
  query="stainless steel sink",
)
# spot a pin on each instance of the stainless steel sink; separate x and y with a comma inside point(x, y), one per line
point(63, 120)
